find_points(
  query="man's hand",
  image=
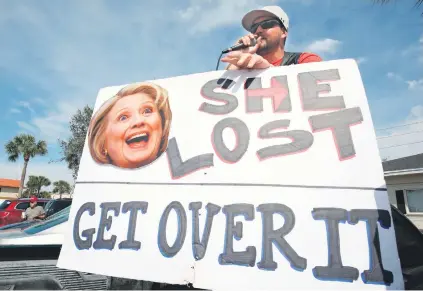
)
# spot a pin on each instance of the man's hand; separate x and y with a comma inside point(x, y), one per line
point(41, 216)
point(246, 58)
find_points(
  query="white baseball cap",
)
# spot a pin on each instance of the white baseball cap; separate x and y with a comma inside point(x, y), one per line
point(272, 11)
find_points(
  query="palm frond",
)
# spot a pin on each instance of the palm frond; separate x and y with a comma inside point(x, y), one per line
point(42, 148)
point(13, 158)
point(416, 5)
point(418, 2)
point(61, 187)
point(12, 150)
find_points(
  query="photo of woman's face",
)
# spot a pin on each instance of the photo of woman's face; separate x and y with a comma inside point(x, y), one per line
point(134, 131)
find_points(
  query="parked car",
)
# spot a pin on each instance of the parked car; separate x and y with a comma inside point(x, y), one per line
point(53, 213)
point(38, 246)
point(51, 208)
point(55, 205)
point(11, 210)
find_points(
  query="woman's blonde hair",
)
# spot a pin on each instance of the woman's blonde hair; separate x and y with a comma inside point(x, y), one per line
point(98, 124)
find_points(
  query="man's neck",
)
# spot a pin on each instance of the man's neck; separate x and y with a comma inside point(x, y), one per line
point(274, 56)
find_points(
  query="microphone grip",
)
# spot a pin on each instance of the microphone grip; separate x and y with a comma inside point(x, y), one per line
point(239, 46)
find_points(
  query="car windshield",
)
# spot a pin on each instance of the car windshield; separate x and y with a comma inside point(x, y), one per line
point(48, 205)
point(4, 204)
point(55, 215)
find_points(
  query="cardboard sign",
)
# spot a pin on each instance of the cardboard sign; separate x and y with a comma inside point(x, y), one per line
point(265, 179)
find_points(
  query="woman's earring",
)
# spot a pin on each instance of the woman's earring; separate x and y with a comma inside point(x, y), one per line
point(105, 152)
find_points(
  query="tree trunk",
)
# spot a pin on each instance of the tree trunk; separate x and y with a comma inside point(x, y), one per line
point(21, 185)
point(60, 195)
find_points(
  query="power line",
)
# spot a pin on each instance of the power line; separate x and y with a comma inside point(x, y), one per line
point(398, 145)
point(417, 122)
point(382, 137)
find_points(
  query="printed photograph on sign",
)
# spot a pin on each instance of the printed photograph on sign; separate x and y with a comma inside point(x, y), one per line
point(131, 129)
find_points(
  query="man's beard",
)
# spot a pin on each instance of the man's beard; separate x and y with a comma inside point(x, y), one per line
point(267, 47)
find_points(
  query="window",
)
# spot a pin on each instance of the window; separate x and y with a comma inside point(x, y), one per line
point(5, 204)
point(22, 205)
point(414, 200)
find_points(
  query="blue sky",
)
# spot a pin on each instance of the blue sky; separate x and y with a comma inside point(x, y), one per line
point(56, 55)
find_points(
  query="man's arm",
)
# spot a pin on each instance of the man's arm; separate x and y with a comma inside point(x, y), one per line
point(42, 214)
point(24, 215)
point(246, 58)
point(239, 60)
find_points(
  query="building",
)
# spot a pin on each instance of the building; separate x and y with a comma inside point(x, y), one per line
point(404, 180)
point(57, 196)
point(9, 188)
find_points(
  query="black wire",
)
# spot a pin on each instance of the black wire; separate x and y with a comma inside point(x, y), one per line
point(399, 145)
point(394, 135)
point(399, 125)
point(218, 61)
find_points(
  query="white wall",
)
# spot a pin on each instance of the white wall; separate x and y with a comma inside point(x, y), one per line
point(57, 196)
point(9, 192)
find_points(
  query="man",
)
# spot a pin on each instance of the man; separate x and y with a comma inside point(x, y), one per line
point(34, 211)
point(269, 25)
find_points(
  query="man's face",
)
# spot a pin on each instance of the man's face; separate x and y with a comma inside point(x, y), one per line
point(32, 204)
point(271, 37)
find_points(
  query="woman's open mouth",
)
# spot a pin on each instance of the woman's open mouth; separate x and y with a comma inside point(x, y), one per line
point(138, 140)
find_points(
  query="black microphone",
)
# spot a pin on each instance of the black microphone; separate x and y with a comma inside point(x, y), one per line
point(239, 46)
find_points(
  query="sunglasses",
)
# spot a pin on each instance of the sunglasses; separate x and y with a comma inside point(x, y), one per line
point(265, 24)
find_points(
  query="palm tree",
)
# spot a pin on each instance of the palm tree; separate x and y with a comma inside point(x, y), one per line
point(44, 194)
point(61, 187)
point(25, 145)
point(36, 183)
point(418, 2)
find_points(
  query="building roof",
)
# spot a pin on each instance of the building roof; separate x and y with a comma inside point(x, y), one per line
point(9, 183)
point(406, 164)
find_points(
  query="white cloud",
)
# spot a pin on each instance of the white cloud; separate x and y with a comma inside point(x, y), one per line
point(322, 46)
point(411, 84)
point(81, 58)
point(394, 76)
point(67, 59)
point(27, 105)
point(408, 134)
point(305, 2)
point(54, 124)
point(207, 15)
point(40, 101)
point(15, 110)
point(361, 60)
point(415, 84)
point(415, 50)
point(390, 75)
point(27, 126)
point(416, 112)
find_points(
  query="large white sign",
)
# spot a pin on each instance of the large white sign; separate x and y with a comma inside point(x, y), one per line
point(265, 179)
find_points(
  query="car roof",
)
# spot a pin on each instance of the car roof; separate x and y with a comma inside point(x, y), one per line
point(27, 199)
